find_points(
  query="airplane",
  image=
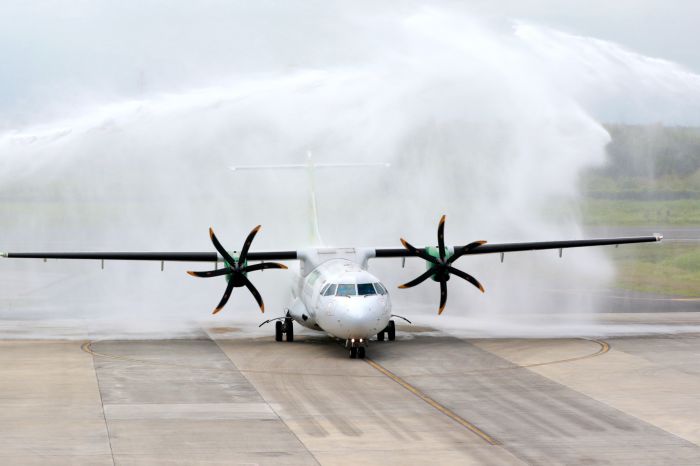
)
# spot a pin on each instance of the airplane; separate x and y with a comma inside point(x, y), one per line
point(335, 292)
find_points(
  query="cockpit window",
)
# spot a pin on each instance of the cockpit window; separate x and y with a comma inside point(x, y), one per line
point(380, 288)
point(330, 290)
point(346, 290)
point(365, 289)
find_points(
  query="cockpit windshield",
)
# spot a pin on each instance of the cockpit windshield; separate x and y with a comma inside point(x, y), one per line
point(365, 289)
point(380, 288)
point(346, 290)
point(329, 290)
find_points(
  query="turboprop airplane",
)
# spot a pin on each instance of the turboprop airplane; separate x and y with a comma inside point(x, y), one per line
point(335, 292)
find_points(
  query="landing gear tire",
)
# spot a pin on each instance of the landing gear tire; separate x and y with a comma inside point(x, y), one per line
point(289, 329)
point(391, 330)
point(380, 336)
point(353, 353)
point(361, 352)
point(278, 331)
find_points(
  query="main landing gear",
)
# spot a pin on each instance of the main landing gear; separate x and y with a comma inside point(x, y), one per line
point(286, 328)
point(389, 331)
point(357, 348)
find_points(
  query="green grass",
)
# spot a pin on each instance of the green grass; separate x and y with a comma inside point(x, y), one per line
point(666, 268)
point(608, 212)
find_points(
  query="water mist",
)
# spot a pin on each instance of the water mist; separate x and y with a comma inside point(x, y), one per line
point(474, 118)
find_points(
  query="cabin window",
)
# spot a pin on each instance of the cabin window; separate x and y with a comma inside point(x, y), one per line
point(346, 290)
point(380, 288)
point(313, 277)
point(365, 289)
point(330, 290)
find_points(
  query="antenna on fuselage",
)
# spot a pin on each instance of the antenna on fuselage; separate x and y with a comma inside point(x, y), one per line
point(311, 167)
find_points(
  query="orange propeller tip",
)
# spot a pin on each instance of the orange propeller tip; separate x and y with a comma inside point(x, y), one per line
point(402, 286)
point(191, 273)
point(216, 310)
point(440, 310)
point(442, 219)
point(282, 266)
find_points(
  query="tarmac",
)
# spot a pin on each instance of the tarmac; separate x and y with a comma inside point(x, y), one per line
point(426, 398)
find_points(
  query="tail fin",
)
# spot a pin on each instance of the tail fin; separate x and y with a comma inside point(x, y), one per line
point(310, 166)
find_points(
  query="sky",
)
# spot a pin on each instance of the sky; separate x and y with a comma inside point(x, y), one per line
point(68, 53)
point(662, 29)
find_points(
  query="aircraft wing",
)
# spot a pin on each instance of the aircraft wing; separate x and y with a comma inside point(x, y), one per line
point(530, 246)
point(150, 256)
point(292, 255)
point(440, 259)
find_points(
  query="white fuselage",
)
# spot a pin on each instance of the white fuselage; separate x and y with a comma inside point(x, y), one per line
point(341, 298)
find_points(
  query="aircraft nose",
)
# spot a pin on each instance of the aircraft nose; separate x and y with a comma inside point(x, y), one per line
point(363, 318)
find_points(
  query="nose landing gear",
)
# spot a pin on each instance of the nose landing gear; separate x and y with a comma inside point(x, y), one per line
point(357, 348)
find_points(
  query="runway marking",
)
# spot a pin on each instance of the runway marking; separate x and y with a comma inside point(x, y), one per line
point(447, 412)
point(604, 348)
point(87, 347)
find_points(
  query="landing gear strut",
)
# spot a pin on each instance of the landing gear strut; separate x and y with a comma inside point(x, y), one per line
point(357, 348)
point(286, 328)
point(390, 332)
point(289, 328)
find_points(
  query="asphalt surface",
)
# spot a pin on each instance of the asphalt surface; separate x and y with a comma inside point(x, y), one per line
point(425, 398)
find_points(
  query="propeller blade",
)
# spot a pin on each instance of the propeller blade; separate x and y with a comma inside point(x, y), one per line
point(419, 252)
point(211, 273)
point(224, 298)
point(246, 244)
point(464, 250)
point(441, 238)
point(263, 265)
point(421, 278)
point(467, 277)
point(254, 292)
point(220, 248)
point(443, 296)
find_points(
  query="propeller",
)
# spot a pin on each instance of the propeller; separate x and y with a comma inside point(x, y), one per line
point(236, 270)
point(440, 267)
